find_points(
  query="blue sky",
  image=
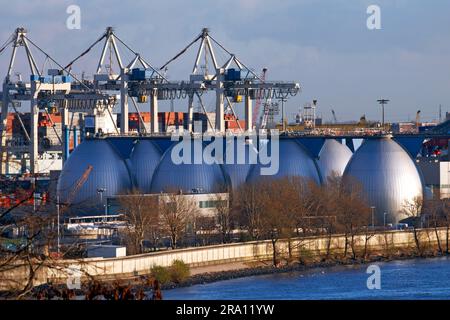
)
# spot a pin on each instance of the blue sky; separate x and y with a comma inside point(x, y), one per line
point(323, 44)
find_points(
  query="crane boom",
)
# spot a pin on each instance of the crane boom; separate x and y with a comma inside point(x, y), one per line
point(69, 200)
point(334, 116)
point(78, 185)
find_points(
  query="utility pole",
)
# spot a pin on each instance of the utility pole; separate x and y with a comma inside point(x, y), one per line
point(382, 102)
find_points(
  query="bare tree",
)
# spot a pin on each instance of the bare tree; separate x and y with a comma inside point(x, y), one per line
point(291, 209)
point(432, 210)
point(224, 217)
point(205, 228)
point(446, 222)
point(141, 215)
point(328, 196)
point(412, 208)
point(279, 208)
point(288, 197)
point(248, 205)
point(274, 217)
point(32, 249)
point(437, 213)
point(353, 213)
point(176, 211)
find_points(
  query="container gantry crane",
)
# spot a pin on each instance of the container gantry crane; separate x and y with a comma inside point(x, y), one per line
point(54, 87)
point(64, 91)
point(231, 82)
point(150, 82)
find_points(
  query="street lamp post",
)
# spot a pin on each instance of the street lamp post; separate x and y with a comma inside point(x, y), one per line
point(100, 192)
point(384, 219)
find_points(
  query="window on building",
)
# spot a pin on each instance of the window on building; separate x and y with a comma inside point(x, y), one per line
point(211, 203)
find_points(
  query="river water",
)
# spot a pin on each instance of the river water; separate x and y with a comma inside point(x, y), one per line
point(406, 279)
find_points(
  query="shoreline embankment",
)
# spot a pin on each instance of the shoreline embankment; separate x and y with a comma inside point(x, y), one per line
point(227, 261)
point(266, 269)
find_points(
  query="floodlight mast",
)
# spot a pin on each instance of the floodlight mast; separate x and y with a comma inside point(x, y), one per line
point(382, 102)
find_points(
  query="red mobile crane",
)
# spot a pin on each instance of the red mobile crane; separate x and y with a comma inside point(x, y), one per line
point(70, 198)
point(77, 187)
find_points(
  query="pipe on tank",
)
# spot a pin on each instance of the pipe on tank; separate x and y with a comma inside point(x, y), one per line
point(66, 133)
point(75, 137)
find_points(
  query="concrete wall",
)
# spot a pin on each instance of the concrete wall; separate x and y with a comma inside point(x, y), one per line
point(444, 179)
point(218, 254)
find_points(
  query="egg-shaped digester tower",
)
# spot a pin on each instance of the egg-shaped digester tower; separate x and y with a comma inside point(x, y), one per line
point(388, 176)
point(191, 176)
point(109, 176)
point(333, 158)
point(144, 159)
point(293, 160)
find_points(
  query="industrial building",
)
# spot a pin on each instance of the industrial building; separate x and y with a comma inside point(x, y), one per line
point(436, 175)
point(205, 204)
point(384, 169)
point(85, 129)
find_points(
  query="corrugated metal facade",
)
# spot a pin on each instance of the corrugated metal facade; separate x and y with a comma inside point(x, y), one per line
point(203, 178)
point(294, 161)
point(333, 157)
point(109, 172)
point(385, 170)
point(237, 164)
point(387, 175)
point(145, 158)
